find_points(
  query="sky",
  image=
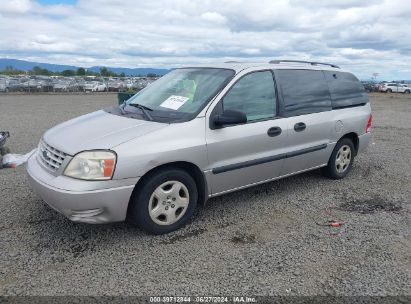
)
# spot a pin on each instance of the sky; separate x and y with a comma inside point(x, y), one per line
point(365, 37)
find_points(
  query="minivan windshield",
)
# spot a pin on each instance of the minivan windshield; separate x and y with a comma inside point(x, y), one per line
point(181, 94)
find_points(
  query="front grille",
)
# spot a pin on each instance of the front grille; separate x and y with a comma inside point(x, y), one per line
point(51, 157)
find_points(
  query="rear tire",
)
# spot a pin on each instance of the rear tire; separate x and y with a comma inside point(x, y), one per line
point(341, 160)
point(164, 202)
point(407, 91)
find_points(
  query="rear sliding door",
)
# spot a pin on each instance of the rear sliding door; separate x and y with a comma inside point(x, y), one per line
point(306, 103)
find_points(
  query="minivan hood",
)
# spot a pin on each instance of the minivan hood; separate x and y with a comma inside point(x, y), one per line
point(97, 130)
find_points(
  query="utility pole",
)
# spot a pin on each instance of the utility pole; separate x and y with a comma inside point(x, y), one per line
point(374, 76)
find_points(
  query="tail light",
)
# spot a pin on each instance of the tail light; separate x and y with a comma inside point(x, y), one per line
point(369, 122)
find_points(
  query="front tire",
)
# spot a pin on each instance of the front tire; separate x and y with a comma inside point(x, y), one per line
point(341, 160)
point(164, 202)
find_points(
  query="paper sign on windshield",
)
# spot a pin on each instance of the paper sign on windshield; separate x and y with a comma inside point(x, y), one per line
point(174, 102)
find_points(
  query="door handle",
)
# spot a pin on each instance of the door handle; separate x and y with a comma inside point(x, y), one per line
point(299, 126)
point(274, 131)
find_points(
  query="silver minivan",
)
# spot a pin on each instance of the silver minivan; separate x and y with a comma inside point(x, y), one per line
point(199, 132)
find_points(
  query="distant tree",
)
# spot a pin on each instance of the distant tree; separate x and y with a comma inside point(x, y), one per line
point(11, 71)
point(81, 72)
point(104, 72)
point(91, 73)
point(36, 70)
point(68, 73)
point(151, 75)
point(122, 74)
point(39, 71)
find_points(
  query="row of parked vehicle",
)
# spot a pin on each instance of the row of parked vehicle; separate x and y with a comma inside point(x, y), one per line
point(394, 88)
point(387, 87)
point(72, 84)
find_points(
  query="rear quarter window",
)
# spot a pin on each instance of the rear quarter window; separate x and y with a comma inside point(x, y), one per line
point(345, 89)
point(303, 91)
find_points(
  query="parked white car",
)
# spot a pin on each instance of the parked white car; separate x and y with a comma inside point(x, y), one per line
point(64, 86)
point(394, 88)
point(95, 86)
point(4, 85)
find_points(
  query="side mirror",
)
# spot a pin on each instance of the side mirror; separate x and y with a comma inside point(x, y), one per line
point(230, 117)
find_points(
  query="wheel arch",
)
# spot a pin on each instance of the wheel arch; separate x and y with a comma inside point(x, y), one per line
point(354, 138)
point(188, 167)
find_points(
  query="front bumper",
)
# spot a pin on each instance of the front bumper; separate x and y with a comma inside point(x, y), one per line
point(91, 202)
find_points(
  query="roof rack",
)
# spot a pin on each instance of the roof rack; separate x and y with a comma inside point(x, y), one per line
point(308, 62)
point(231, 61)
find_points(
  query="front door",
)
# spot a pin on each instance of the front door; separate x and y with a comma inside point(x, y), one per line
point(244, 154)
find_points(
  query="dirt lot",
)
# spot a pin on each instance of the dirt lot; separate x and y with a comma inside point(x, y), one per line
point(264, 240)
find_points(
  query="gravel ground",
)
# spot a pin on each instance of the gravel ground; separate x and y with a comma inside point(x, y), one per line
point(265, 240)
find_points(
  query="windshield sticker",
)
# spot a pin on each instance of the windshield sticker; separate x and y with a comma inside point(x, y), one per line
point(174, 102)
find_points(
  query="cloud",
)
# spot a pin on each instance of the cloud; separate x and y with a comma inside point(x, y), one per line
point(44, 39)
point(214, 17)
point(334, 3)
point(363, 36)
point(15, 6)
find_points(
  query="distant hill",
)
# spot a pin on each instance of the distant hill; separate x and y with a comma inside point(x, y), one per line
point(132, 72)
point(28, 65)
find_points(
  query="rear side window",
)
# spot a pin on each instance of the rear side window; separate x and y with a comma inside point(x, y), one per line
point(345, 90)
point(304, 91)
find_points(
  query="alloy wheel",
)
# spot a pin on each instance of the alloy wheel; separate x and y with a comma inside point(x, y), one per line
point(343, 159)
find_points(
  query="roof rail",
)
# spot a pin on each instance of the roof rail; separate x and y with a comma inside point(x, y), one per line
point(231, 61)
point(308, 62)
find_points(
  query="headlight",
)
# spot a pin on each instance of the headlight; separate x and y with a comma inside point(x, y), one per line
point(92, 165)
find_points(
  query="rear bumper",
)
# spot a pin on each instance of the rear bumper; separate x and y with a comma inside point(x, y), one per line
point(94, 206)
point(363, 142)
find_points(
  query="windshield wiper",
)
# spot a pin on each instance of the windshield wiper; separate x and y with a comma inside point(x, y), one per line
point(143, 109)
